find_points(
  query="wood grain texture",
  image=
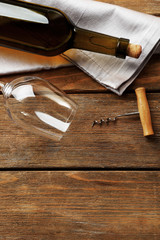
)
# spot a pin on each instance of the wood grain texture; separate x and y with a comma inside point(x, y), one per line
point(85, 205)
point(79, 205)
point(146, 6)
point(71, 79)
point(120, 144)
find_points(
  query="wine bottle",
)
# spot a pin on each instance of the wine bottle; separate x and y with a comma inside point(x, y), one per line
point(48, 31)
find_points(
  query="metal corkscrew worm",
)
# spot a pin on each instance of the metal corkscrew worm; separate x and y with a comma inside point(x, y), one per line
point(143, 112)
point(113, 119)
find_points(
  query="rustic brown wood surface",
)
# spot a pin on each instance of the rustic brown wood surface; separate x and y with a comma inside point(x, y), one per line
point(120, 144)
point(146, 6)
point(72, 80)
point(79, 205)
point(97, 183)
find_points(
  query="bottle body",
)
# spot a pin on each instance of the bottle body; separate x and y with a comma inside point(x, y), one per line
point(48, 31)
point(34, 28)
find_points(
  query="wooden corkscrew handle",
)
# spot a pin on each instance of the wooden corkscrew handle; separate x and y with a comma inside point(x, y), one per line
point(144, 111)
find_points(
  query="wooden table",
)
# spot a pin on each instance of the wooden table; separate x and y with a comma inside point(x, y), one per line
point(97, 183)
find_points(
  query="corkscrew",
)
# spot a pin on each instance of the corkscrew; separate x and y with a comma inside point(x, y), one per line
point(143, 112)
point(113, 119)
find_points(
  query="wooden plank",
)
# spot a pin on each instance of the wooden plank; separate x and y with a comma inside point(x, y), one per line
point(71, 79)
point(149, 76)
point(146, 6)
point(120, 144)
point(80, 205)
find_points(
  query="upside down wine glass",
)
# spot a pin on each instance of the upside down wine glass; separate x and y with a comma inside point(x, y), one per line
point(38, 106)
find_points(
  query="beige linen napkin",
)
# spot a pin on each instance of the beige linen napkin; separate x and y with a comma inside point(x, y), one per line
point(115, 74)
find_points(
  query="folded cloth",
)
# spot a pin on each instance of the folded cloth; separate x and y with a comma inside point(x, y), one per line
point(13, 61)
point(113, 73)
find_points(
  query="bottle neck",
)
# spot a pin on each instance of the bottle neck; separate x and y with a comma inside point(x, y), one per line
point(101, 43)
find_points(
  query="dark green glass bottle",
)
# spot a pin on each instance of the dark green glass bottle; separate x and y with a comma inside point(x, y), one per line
point(48, 31)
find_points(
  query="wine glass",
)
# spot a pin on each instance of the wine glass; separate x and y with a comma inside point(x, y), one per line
point(38, 106)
